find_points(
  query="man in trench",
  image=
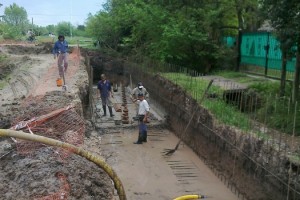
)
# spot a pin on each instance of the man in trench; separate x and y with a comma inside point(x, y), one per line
point(105, 93)
point(143, 113)
point(134, 96)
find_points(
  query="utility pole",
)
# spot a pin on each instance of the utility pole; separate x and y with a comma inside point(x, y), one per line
point(1, 16)
point(239, 53)
point(71, 18)
point(267, 47)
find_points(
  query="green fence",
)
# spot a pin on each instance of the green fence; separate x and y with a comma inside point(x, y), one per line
point(261, 50)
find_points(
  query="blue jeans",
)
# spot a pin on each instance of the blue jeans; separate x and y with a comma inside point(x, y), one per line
point(142, 130)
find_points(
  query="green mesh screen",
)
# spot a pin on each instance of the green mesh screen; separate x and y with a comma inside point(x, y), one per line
point(253, 52)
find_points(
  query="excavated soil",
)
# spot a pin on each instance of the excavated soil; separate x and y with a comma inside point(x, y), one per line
point(28, 89)
point(37, 176)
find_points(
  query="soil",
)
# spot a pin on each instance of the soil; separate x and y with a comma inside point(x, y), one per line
point(29, 90)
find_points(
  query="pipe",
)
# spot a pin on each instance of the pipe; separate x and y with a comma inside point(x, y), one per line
point(79, 151)
point(190, 196)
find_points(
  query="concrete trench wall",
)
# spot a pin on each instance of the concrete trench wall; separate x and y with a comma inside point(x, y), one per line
point(238, 159)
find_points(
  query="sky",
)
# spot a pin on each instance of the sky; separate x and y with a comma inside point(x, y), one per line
point(48, 12)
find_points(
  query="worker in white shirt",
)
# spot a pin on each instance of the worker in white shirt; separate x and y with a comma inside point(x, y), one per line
point(143, 113)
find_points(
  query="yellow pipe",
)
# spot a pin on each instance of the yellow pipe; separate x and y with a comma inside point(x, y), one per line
point(79, 151)
point(190, 196)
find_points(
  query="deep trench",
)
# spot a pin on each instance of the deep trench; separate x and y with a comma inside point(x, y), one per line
point(216, 145)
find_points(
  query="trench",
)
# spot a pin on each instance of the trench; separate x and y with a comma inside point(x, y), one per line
point(227, 152)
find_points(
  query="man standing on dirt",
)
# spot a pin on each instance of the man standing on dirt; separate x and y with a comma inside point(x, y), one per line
point(60, 50)
point(105, 92)
point(143, 113)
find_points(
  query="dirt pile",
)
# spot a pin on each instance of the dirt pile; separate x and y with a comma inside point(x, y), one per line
point(39, 176)
point(23, 50)
point(37, 171)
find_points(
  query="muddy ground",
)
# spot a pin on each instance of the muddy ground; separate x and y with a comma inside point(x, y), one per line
point(32, 171)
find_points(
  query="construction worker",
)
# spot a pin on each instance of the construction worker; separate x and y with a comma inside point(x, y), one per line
point(60, 50)
point(105, 93)
point(143, 113)
point(134, 95)
point(139, 89)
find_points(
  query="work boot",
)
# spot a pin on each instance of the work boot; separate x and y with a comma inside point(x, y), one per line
point(110, 111)
point(104, 110)
point(136, 118)
point(140, 139)
point(145, 136)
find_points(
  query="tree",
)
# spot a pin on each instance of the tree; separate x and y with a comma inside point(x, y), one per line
point(184, 32)
point(64, 28)
point(50, 29)
point(81, 27)
point(285, 18)
point(15, 16)
point(104, 29)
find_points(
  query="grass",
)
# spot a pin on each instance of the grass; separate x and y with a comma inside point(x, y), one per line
point(273, 73)
point(294, 159)
point(272, 113)
point(2, 85)
point(225, 113)
point(241, 77)
point(231, 74)
point(3, 57)
point(228, 114)
point(76, 40)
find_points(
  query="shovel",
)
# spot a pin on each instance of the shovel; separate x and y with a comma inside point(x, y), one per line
point(169, 152)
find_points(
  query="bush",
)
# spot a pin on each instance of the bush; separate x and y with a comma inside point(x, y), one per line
point(11, 33)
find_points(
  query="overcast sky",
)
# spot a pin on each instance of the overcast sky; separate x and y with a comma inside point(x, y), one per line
point(47, 12)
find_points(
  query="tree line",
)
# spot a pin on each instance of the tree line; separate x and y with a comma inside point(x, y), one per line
point(14, 24)
point(184, 32)
point(190, 32)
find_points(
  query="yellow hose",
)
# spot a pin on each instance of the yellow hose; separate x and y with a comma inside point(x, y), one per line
point(79, 151)
point(190, 196)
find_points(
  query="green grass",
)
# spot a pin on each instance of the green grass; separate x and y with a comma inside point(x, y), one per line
point(223, 112)
point(294, 159)
point(275, 73)
point(2, 85)
point(82, 41)
point(228, 114)
point(270, 110)
point(240, 77)
point(266, 87)
point(231, 74)
point(3, 57)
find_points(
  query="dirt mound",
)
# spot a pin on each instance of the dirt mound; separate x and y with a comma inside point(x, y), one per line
point(22, 49)
point(43, 174)
point(28, 92)
point(48, 171)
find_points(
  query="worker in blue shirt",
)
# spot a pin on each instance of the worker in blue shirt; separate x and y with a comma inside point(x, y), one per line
point(105, 93)
point(60, 50)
